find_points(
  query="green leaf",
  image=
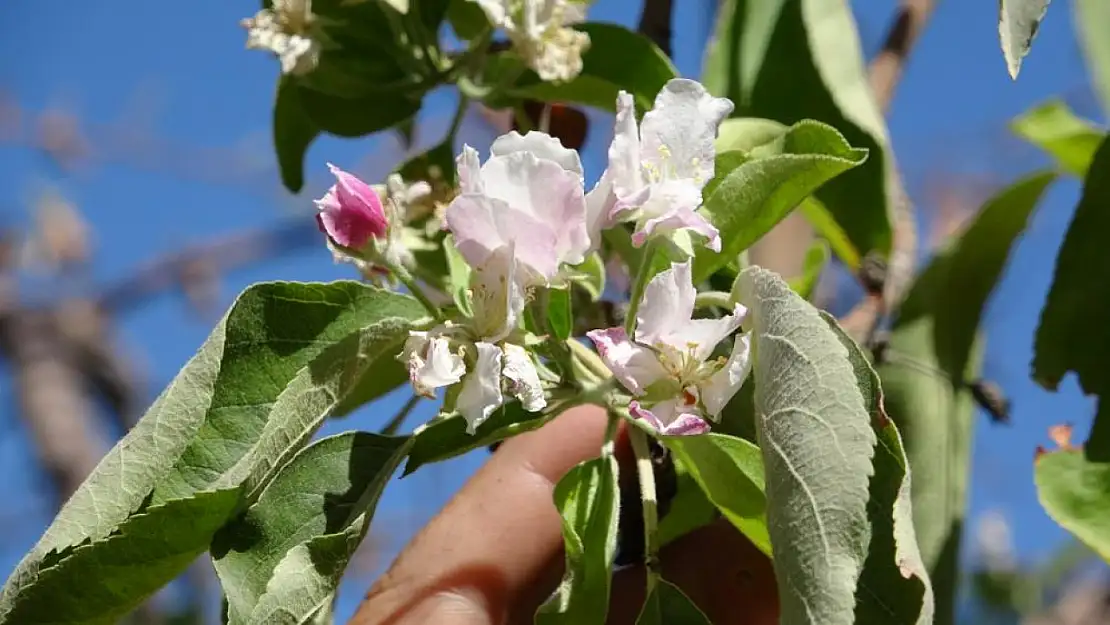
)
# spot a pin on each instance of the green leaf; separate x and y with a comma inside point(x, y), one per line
point(617, 59)
point(894, 586)
point(102, 580)
point(446, 437)
point(467, 19)
point(459, 274)
point(815, 43)
point(590, 275)
point(934, 346)
point(755, 190)
point(747, 133)
point(382, 374)
point(817, 444)
point(816, 258)
point(690, 508)
point(587, 500)
point(293, 131)
point(1091, 17)
point(436, 166)
point(400, 6)
point(228, 416)
point(1018, 21)
point(1075, 493)
point(356, 117)
point(559, 316)
point(1073, 329)
point(730, 472)
point(329, 488)
point(667, 605)
point(1070, 140)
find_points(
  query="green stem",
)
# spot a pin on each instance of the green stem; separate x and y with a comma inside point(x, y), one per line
point(399, 419)
point(643, 274)
point(646, 473)
point(415, 289)
point(589, 360)
point(457, 120)
point(713, 299)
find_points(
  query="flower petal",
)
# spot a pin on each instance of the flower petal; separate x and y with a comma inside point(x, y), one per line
point(524, 380)
point(669, 419)
point(721, 386)
point(498, 298)
point(686, 424)
point(705, 334)
point(599, 204)
point(431, 363)
point(482, 225)
point(678, 219)
point(635, 366)
point(481, 389)
point(639, 412)
point(667, 305)
point(624, 151)
point(678, 133)
point(549, 194)
point(540, 144)
point(469, 167)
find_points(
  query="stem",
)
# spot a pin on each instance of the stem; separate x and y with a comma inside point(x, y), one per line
point(713, 299)
point(589, 360)
point(399, 419)
point(415, 289)
point(611, 426)
point(646, 472)
point(643, 274)
point(457, 120)
point(560, 353)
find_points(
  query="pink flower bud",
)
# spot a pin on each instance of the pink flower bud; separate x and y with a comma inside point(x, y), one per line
point(351, 212)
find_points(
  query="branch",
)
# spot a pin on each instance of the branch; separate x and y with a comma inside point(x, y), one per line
point(884, 73)
point(655, 23)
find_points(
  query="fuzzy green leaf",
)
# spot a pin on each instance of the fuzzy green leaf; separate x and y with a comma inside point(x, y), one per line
point(1018, 21)
point(1075, 491)
point(667, 605)
point(446, 437)
point(1052, 127)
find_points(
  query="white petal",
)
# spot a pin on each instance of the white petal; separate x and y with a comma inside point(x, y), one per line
point(524, 380)
point(678, 133)
point(550, 195)
point(481, 389)
point(721, 386)
point(542, 145)
point(624, 151)
point(498, 297)
point(667, 306)
point(470, 170)
point(483, 225)
point(634, 366)
point(496, 10)
point(706, 333)
point(431, 362)
point(670, 418)
point(599, 204)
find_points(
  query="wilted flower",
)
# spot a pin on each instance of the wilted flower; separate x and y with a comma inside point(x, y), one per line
point(668, 366)
point(351, 212)
point(527, 195)
point(656, 172)
point(288, 30)
point(538, 30)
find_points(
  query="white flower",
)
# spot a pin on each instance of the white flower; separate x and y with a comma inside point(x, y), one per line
point(657, 171)
point(668, 363)
point(286, 29)
point(538, 29)
point(399, 198)
point(431, 362)
point(528, 195)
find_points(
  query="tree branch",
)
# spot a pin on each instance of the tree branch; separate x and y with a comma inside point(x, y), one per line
point(655, 23)
point(886, 68)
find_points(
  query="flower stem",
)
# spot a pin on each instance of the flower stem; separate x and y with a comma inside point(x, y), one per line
point(589, 360)
point(713, 299)
point(415, 289)
point(643, 274)
point(646, 472)
point(399, 419)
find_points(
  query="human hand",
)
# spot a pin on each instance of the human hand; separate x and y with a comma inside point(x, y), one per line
point(494, 553)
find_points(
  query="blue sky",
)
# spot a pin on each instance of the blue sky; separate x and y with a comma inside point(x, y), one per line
point(180, 72)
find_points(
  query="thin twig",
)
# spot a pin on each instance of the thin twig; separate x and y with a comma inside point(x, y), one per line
point(655, 23)
point(886, 68)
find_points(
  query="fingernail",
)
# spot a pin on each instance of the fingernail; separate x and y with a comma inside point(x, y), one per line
point(446, 608)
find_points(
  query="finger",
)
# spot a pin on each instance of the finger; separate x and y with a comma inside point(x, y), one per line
point(718, 568)
point(496, 542)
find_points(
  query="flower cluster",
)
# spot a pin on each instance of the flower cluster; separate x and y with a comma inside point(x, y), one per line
point(288, 29)
point(539, 32)
point(522, 219)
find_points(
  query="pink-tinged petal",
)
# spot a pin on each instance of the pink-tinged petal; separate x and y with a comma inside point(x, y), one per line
point(541, 145)
point(550, 195)
point(667, 305)
point(481, 389)
point(678, 220)
point(672, 206)
point(639, 412)
point(524, 380)
point(470, 218)
point(686, 424)
point(470, 171)
point(679, 132)
point(723, 385)
point(634, 366)
point(351, 212)
point(624, 151)
point(599, 205)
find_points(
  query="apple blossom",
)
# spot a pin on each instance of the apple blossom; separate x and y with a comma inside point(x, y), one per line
point(657, 171)
point(538, 30)
point(667, 365)
point(351, 212)
point(287, 30)
point(529, 195)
